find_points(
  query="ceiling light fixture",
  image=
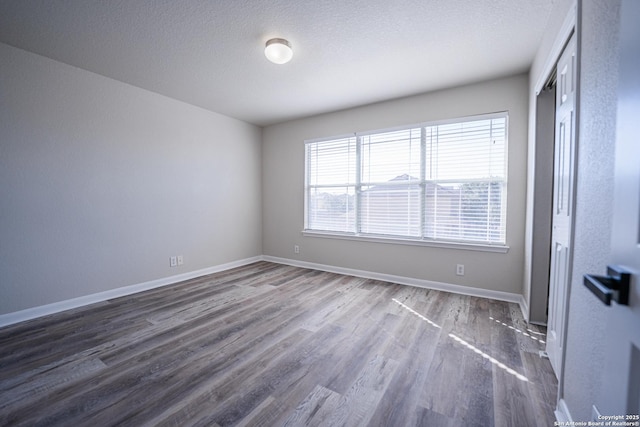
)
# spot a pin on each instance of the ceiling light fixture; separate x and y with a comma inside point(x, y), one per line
point(278, 51)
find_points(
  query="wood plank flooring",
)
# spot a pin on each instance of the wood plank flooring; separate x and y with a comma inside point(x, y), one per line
point(274, 345)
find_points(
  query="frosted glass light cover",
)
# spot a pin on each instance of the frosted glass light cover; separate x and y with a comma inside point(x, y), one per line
point(278, 51)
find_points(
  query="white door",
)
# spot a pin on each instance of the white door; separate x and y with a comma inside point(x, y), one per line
point(620, 390)
point(563, 184)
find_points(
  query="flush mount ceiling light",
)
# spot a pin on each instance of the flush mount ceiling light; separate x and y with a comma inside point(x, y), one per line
point(278, 51)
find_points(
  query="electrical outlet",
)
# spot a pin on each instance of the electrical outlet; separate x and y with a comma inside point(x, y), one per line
point(296, 249)
point(180, 260)
point(460, 270)
point(173, 261)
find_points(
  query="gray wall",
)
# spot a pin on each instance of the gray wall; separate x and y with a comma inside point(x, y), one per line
point(100, 182)
point(598, 24)
point(283, 183)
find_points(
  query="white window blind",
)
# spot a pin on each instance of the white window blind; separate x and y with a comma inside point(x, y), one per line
point(389, 191)
point(331, 185)
point(436, 181)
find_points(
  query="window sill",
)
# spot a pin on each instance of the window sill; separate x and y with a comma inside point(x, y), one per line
point(482, 247)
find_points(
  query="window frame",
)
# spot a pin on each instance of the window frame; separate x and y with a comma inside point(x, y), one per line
point(500, 247)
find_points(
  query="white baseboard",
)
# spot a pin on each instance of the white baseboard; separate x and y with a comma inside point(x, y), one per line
point(56, 307)
point(524, 307)
point(421, 283)
point(562, 413)
point(539, 323)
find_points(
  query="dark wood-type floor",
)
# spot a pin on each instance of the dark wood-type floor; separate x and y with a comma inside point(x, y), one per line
point(274, 345)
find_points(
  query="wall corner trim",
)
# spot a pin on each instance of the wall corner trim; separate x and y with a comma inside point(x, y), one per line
point(56, 307)
point(420, 283)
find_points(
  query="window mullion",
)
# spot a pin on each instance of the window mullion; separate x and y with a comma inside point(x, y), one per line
point(434, 178)
point(489, 205)
point(423, 182)
point(358, 200)
point(307, 185)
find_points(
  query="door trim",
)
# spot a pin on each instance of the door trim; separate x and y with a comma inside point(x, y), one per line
point(563, 36)
point(569, 27)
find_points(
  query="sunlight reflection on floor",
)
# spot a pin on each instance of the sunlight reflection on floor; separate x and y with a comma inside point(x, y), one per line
point(472, 347)
point(521, 332)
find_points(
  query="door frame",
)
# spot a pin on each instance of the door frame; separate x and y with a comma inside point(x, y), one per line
point(540, 221)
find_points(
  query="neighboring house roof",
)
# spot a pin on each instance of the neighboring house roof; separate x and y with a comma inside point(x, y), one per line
point(393, 185)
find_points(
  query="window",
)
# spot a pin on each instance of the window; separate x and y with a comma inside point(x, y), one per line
point(440, 182)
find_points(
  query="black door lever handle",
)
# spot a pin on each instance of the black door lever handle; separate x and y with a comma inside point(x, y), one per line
point(613, 286)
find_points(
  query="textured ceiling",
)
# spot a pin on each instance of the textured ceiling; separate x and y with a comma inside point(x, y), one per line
point(209, 53)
